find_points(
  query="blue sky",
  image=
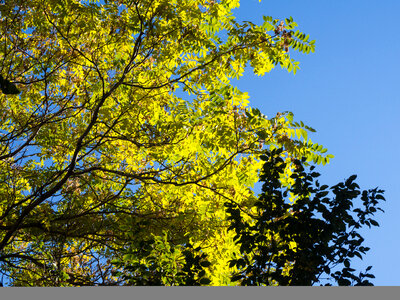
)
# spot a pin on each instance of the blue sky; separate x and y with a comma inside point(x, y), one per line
point(348, 91)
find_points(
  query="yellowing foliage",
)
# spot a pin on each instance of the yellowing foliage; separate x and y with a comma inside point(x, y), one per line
point(127, 126)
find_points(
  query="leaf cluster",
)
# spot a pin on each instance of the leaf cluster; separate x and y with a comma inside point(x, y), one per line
point(179, 265)
point(300, 234)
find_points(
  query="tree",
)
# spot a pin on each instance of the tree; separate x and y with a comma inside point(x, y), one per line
point(296, 233)
point(127, 130)
point(293, 235)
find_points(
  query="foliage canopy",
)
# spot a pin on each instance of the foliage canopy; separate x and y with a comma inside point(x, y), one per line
point(120, 131)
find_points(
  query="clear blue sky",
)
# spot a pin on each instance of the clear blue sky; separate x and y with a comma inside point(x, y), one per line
point(348, 91)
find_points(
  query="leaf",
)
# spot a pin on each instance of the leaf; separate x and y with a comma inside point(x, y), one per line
point(205, 281)
point(205, 264)
point(202, 273)
point(373, 222)
point(344, 282)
